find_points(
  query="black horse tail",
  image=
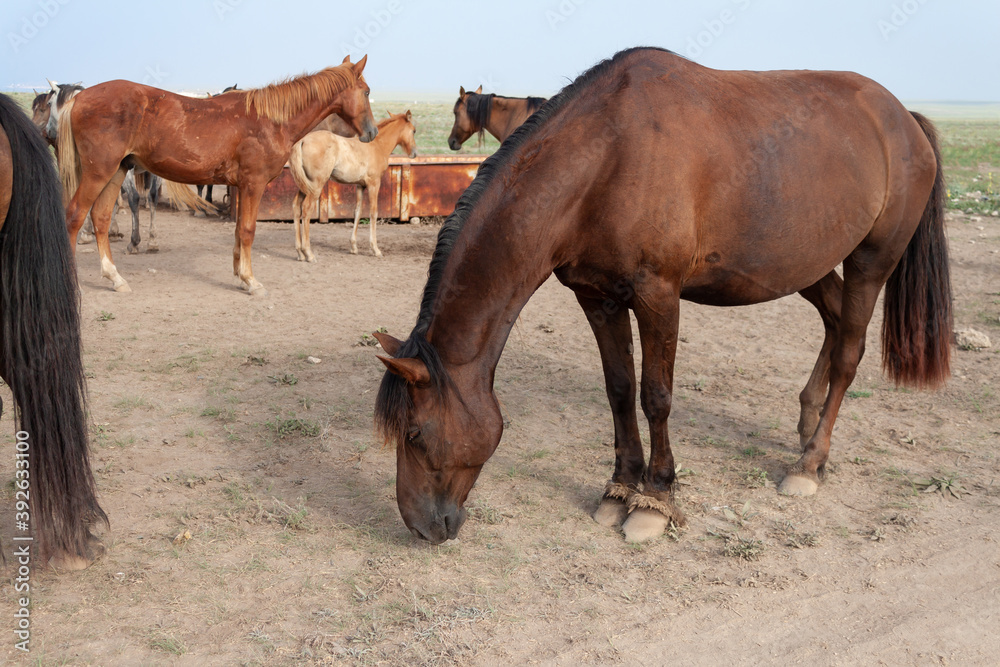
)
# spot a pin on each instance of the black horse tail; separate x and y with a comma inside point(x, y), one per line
point(41, 354)
point(916, 329)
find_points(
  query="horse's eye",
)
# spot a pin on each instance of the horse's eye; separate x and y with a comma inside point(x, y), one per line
point(415, 437)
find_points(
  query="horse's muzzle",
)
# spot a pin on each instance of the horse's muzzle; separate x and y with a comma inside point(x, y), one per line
point(440, 524)
point(371, 131)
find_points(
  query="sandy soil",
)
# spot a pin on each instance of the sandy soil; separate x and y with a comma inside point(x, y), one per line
point(254, 520)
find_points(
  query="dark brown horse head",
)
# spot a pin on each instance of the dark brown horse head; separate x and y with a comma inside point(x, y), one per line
point(465, 123)
point(355, 108)
point(445, 427)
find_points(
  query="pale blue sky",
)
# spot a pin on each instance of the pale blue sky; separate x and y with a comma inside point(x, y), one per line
point(919, 49)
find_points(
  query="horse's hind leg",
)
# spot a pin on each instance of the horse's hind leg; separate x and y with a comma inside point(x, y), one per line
point(101, 215)
point(826, 295)
point(152, 201)
point(864, 274)
point(86, 234)
point(298, 211)
point(305, 203)
point(357, 219)
point(613, 330)
point(131, 193)
point(246, 228)
point(313, 205)
point(657, 311)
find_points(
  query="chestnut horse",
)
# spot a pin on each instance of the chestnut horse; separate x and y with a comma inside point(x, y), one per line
point(46, 108)
point(652, 179)
point(478, 113)
point(54, 490)
point(242, 138)
point(323, 155)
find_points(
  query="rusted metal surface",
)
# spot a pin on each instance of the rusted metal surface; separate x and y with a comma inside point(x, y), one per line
point(421, 186)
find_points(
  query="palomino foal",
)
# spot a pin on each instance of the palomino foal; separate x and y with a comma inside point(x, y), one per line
point(323, 155)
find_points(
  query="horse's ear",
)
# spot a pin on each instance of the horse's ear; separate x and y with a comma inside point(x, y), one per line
point(409, 116)
point(388, 343)
point(479, 90)
point(359, 66)
point(461, 91)
point(412, 370)
point(55, 88)
point(346, 59)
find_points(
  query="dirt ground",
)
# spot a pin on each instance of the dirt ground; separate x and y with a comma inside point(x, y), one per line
point(253, 518)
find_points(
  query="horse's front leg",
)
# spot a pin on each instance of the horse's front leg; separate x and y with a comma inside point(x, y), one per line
point(613, 330)
point(657, 310)
point(373, 216)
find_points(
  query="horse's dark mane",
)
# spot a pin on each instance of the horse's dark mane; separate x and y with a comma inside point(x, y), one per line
point(478, 107)
point(393, 402)
point(534, 104)
point(66, 91)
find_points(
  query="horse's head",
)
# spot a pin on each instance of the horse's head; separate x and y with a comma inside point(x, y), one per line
point(445, 427)
point(464, 126)
point(355, 108)
point(40, 110)
point(407, 137)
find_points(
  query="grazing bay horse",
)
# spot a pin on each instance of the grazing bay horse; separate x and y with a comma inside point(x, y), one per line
point(652, 179)
point(242, 138)
point(323, 155)
point(478, 113)
point(55, 497)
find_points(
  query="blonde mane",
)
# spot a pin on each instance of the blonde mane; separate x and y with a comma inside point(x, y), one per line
point(282, 100)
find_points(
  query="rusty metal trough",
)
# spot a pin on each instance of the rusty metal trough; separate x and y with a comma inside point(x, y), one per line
point(421, 186)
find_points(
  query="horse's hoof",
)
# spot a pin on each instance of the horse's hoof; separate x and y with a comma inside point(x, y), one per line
point(354, 251)
point(311, 259)
point(795, 485)
point(643, 525)
point(378, 253)
point(152, 247)
point(611, 512)
point(83, 238)
point(67, 562)
point(123, 288)
point(258, 290)
point(132, 250)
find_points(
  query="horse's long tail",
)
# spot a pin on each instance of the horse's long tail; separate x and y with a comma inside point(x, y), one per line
point(40, 347)
point(69, 159)
point(916, 329)
point(183, 197)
